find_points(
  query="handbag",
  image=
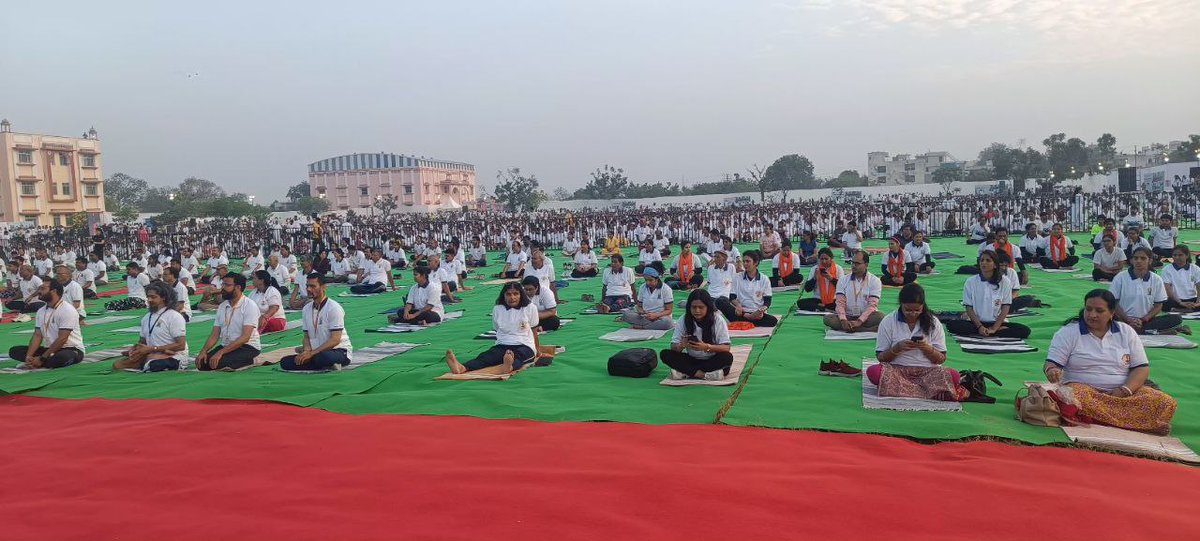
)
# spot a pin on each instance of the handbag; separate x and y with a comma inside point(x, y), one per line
point(633, 363)
point(1037, 407)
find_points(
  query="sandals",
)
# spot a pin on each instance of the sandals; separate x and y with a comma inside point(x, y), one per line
point(975, 382)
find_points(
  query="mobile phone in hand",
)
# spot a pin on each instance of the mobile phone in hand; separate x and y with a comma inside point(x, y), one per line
point(918, 338)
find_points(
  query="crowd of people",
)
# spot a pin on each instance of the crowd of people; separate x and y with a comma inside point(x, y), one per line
point(688, 250)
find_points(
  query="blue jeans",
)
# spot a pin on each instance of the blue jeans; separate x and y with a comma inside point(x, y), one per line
point(321, 361)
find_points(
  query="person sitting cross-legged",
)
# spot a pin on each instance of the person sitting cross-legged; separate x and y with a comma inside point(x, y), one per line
point(423, 306)
point(700, 346)
point(57, 339)
point(234, 342)
point(857, 298)
point(1060, 251)
point(655, 301)
point(326, 342)
point(162, 343)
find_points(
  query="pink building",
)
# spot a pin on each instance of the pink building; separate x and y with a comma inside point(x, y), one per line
point(354, 181)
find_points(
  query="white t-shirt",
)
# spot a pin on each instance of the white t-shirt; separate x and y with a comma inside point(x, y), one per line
point(515, 260)
point(1183, 280)
point(648, 257)
point(586, 259)
point(1163, 238)
point(29, 286)
point(720, 335)
point(99, 269)
point(752, 293)
point(267, 298)
point(319, 325)
point(191, 263)
point(376, 272)
point(1103, 363)
point(720, 281)
point(253, 263)
point(232, 321)
point(918, 254)
point(1137, 296)
point(544, 299)
point(281, 274)
point(851, 240)
point(63, 317)
point(986, 298)
point(137, 285)
point(340, 268)
point(181, 296)
point(43, 266)
point(477, 253)
point(72, 294)
point(430, 295)
point(620, 283)
point(163, 328)
point(795, 261)
point(85, 277)
point(1108, 259)
point(545, 275)
point(514, 326)
point(859, 292)
point(657, 300)
point(893, 330)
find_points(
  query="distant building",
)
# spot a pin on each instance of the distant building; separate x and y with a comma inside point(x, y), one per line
point(44, 179)
point(354, 181)
point(901, 169)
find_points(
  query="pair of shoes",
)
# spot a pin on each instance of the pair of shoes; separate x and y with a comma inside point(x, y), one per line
point(838, 369)
point(22, 318)
point(974, 381)
point(715, 375)
point(675, 374)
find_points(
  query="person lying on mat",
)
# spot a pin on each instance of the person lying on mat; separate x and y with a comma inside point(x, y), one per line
point(895, 267)
point(686, 270)
point(543, 299)
point(235, 328)
point(423, 305)
point(823, 279)
point(987, 298)
point(375, 276)
point(911, 349)
point(514, 318)
point(586, 263)
point(1180, 279)
point(856, 298)
point(181, 293)
point(272, 317)
point(655, 301)
point(514, 262)
point(1140, 296)
point(57, 339)
point(1108, 261)
point(326, 342)
point(1060, 251)
point(162, 338)
point(751, 295)
point(616, 293)
point(1104, 363)
point(918, 255)
point(785, 266)
point(700, 345)
point(1019, 302)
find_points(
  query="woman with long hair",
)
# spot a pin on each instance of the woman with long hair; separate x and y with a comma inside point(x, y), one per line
point(700, 345)
point(514, 319)
point(987, 297)
point(822, 280)
point(895, 267)
point(270, 303)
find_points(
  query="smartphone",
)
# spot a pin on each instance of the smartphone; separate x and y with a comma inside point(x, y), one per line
point(918, 338)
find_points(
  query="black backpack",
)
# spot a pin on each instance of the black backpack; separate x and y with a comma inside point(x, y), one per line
point(633, 363)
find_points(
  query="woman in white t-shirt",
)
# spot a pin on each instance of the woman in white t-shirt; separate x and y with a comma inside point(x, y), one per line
point(514, 319)
point(272, 317)
point(1104, 363)
point(585, 261)
point(514, 262)
point(911, 349)
point(1140, 296)
point(700, 345)
point(987, 297)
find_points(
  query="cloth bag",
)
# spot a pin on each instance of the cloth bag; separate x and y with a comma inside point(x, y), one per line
point(1038, 407)
point(633, 363)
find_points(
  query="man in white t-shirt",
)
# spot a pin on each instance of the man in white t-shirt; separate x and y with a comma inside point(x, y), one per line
point(162, 343)
point(72, 291)
point(1163, 236)
point(857, 299)
point(1180, 279)
point(326, 342)
point(851, 239)
point(99, 269)
point(57, 340)
point(84, 277)
point(617, 290)
point(375, 276)
point(235, 329)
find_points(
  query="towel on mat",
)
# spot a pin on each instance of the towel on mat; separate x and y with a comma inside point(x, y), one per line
point(635, 335)
point(757, 332)
point(740, 355)
point(366, 356)
point(1128, 441)
point(107, 319)
point(980, 344)
point(1190, 315)
point(406, 327)
point(872, 401)
point(499, 281)
point(1023, 313)
point(831, 334)
point(1169, 341)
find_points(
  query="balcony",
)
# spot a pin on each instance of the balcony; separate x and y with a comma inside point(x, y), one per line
point(91, 180)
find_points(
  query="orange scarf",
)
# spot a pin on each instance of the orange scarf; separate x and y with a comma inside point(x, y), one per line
point(687, 267)
point(826, 286)
point(786, 266)
point(895, 265)
point(1058, 249)
point(1007, 249)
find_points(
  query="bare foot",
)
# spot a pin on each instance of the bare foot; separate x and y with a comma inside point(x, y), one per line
point(603, 308)
point(452, 362)
point(509, 359)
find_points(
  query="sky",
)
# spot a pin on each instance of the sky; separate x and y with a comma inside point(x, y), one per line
point(248, 93)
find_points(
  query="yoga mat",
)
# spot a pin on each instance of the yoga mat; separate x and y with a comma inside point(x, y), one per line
point(1061, 271)
point(872, 400)
point(366, 356)
point(634, 335)
point(1127, 441)
point(757, 332)
point(740, 355)
point(820, 313)
point(490, 373)
point(1169, 341)
point(406, 327)
point(831, 334)
point(782, 289)
point(989, 345)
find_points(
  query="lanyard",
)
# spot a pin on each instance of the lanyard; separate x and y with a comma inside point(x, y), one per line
point(152, 323)
point(50, 320)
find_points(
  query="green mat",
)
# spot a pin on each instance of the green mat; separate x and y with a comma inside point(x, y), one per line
point(780, 387)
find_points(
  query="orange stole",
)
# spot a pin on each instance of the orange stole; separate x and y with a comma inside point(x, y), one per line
point(826, 287)
point(1058, 249)
point(895, 265)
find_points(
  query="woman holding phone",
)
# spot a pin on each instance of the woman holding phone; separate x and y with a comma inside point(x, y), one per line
point(700, 345)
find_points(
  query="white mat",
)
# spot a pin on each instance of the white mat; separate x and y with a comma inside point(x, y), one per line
point(872, 401)
point(821, 313)
point(88, 358)
point(634, 335)
point(573, 279)
point(1191, 315)
point(1023, 313)
point(1081, 275)
point(976, 344)
point(1066, 270)
point(740, 355)
point(366, 356)
point(1170, 341)
point(831, 334)
point(757, 332)
point(1128, 441)
point(782, 289)
point(195, 319)
point(405, 327)
point(107, 319)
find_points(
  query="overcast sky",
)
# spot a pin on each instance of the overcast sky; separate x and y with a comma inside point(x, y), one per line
point(668, 90)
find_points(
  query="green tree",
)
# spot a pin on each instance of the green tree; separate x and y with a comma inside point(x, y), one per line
point(847, 179)
point(561, 194)
point(1189, 151)
point(518, 192)
point(298, 190)
point(199, 190)
point(1104, 154)
point(1066, 158)
point(734, 184)
point(121, 190)
point(607, 182)
point(1002, 157)
point(657, 189)
point(758, 177)
point(790, 172)
point(948, 173)
point(310, 205)
point(386, 204)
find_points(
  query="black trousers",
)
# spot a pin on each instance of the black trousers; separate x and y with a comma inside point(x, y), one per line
point(1163, 252)
point(973, 241)
point(324, 360)
point(928, 266)
point(64, 357)
point(590, 273)
point(967, 269)
point(1160, 323)
point(725, 306)
point(241, 357)
point(790, 280)
point(689, 365)
point(964, 327)
point(551, 323)
point(1024, 301)
point(657, 265)
point(906, 278)
point(813, 304)
point(427, 317)
point(679, 285)
point(1098, 275)
point(1172, 305)
point(25, 308)
point(495, 355)
point(1067, 263)
point(767, 320)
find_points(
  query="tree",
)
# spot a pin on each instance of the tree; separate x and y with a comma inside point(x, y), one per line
point(847, 179)
point(121, 190)
point(157, 199)
point(607, 182)
point(657, 189)
point(298, 190)
point(518, 192)
point(561, 194)
point(121, 213)
point(791, 172)
point(1189, 151)
point(734, 184)
point(199, 190)
point(758, 178)
point(947, 174)
point(1066, 158)
point(1105, 153)
point(385, 204)
point(310, 205)
point(1002, 157)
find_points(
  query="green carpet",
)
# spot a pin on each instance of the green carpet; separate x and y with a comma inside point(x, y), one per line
point(780, 388)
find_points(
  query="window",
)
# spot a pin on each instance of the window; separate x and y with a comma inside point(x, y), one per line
point(321, 190)
point(66, 188)
point(910, 167)
point(880, 168)
point(910, 178)
point(57, 220)
point(408, 190)
point(27, 188)
point(90, 189)
point(89, 161)
point(25, 156)
point(445, 189)
point(362, 190)
point(64, 159)
point(881, 180)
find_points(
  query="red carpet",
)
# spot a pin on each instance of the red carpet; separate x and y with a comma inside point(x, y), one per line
point(170, 469)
